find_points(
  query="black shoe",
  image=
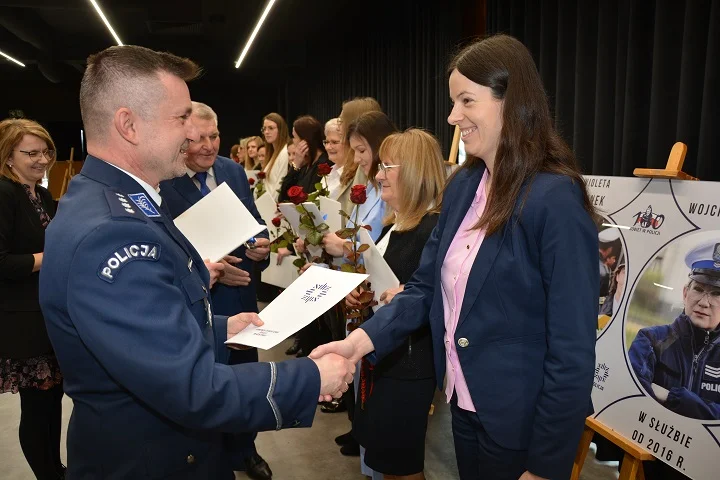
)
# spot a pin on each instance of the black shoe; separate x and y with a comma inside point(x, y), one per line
point(301, 354)
point(257, 468)
point(294, 349)
point(345, 439)
point(351, 449)
point(336, 406)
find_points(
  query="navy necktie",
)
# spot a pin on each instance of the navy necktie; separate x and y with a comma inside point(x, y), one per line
point(202, 177)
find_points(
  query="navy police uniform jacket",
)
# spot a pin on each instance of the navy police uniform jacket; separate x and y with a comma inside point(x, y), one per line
point(683, 359)
point(180, 193)
point(125, 298)
point(526, 331)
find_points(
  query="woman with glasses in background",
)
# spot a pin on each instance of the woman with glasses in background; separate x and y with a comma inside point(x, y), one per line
point(27, 363)
point(276, 135)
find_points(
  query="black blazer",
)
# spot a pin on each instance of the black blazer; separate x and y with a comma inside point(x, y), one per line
point(21, 235)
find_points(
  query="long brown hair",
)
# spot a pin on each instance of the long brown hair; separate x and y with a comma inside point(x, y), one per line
point(351, 111)
point(250, 163)
point(374, 127)
point(273, 149)
point(528, 141)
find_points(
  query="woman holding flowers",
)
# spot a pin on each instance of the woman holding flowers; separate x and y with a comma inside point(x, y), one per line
point(310, 161)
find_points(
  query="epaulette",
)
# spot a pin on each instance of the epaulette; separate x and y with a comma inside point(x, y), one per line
point(122, 207)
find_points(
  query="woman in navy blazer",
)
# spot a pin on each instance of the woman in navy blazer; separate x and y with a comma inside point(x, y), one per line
point(517, 345)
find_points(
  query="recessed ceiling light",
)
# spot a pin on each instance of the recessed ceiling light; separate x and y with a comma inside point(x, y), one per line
point(255, 32)
point(105, 20)
point(11, 58)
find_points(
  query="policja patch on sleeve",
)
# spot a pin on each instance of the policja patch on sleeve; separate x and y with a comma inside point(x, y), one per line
point(111, 266)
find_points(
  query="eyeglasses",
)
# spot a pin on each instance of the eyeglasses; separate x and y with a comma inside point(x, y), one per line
point(35, 155)
point(265, 129)
point(696, 293)
point(331, 142)
point(384, 168)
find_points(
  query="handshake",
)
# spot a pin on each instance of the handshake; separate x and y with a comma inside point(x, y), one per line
point(336, 362)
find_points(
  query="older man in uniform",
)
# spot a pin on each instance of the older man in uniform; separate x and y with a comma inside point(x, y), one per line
point(234, 291)
point(126, 301)
point(679, 364)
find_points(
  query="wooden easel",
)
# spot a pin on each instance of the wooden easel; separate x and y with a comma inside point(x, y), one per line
point(632, 468)
point(673, 169)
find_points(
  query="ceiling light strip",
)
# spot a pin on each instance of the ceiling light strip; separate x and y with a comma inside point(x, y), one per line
point(11, 58)
point(254, 33)
point(105, 20)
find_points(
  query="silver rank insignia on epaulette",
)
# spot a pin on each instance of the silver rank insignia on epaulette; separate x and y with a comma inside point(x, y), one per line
point(124, 202)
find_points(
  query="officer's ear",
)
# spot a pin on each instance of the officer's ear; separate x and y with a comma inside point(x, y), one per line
point(125, 122)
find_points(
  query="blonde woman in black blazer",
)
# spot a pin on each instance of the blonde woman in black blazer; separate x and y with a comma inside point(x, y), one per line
point(27, 362)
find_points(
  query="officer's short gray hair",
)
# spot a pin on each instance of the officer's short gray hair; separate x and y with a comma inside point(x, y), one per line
point(204, 112)
point(126, 76)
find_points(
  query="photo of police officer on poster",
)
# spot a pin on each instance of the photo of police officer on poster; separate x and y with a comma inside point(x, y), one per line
point(612, 270)
point(672, 331)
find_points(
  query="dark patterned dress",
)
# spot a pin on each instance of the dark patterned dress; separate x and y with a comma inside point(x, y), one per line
point(41, 372)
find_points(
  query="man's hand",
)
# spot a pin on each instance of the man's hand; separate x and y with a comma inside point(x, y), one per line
point(237, 324)
point(334, 245)
point(529, 476)
point(261, 250)
point(233, 276)
point(215, 270)
point(336, 374)
point(390, 293)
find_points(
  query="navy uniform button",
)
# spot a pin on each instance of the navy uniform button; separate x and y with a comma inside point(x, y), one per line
point(190, 459)
point(463, 342)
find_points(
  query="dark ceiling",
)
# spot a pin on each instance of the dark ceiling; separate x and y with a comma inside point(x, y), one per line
point(54, 37)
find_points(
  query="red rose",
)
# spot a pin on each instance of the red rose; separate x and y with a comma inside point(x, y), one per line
point(324, 169)
point(297, 195)
point(251, 181)
point(276, 221)
point(261, 175)
point(358, 194)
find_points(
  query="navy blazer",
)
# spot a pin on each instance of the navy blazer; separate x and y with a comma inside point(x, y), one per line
point(527, 321)
point(180, 193)
point(125, 300)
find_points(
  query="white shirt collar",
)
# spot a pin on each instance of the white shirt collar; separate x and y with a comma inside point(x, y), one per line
point(210, 172)
point(154, 194)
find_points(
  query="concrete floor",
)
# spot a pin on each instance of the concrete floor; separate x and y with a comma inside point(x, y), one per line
point(301, 454)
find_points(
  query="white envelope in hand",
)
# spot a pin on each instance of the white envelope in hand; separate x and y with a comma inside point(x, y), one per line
point(218, 224)
point(315, 292)
point(291, 214)
point(381, 275)
point(268, 210)
point(331, 210)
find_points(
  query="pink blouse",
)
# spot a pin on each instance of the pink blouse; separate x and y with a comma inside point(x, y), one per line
point(454, 277)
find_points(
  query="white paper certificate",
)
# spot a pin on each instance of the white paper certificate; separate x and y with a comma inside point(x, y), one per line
point(291, 214)
point(381, 275)
point(267, 208)
point(218, 224)
point(315, 292)
point(331, 210)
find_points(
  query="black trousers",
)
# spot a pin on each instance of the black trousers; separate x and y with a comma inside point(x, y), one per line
point(478, 456)
point(241, 446)
point(40, 426)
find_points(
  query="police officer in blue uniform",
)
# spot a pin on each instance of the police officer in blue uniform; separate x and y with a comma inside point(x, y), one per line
point(125, 298)
point(679, 364)
point(234, 291)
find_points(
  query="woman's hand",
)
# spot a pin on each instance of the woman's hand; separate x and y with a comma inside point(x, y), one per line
point(282, 253)
point(301, 151)
point(390, 293)
point(334, 245)
point(352, 299)
point(305, 267)
point(300, 245)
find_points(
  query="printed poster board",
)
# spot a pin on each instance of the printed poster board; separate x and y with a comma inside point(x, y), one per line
point(657, 377)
